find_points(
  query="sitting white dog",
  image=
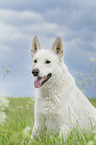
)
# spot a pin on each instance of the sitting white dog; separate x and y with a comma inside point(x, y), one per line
point(59, 104)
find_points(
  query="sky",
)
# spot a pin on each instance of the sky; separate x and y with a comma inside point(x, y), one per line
point(20, 20)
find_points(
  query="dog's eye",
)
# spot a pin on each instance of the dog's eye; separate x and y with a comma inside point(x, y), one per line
point(35, 60)
point(47, 61)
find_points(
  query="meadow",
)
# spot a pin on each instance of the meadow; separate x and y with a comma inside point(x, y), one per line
point(17, 128)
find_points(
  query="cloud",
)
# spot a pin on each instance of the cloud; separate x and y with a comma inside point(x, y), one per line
point(16, 39)
point(75, 15)
point(7, 31)
point(43, 27)
point(73, 21)
point(28, 22)
point(19, 18)
point(76, 55)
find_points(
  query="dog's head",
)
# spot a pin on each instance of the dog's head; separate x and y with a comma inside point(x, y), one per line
point(46, 63)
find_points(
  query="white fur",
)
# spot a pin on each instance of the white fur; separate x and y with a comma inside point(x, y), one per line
point(59, 104)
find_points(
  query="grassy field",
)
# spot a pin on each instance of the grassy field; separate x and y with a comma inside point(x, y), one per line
point(18, 127)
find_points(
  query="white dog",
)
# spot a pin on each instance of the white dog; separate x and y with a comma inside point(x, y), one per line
point(59, 104)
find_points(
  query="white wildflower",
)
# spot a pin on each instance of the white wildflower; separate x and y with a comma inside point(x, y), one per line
point(79, 82)
point(12, 109)
point(81, 74)
point(5, 65)
point(26, 130)
point(91, 142)
point(2, 109)
point(32, 99)
point(91, 59)
point(94, 137)
point(27, 106)
point(4, 102)
point(2, 117)
point(19, 107)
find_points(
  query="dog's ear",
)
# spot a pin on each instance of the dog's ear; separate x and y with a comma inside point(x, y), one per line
point(35, 45)
point(57, 46)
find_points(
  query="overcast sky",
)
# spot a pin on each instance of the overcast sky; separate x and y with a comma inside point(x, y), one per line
point(20, 20)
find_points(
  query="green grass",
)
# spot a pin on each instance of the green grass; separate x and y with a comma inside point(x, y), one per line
point(20, 114)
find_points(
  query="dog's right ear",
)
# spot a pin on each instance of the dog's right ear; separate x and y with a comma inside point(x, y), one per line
point(35, 45)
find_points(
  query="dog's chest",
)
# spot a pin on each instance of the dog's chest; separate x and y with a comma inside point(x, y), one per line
point(49, 109)
point(50, 106)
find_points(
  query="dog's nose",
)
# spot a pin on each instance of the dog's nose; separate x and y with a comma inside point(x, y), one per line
point(35, 72)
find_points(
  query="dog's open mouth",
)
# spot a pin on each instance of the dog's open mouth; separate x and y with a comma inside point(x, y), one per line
point(42, 80)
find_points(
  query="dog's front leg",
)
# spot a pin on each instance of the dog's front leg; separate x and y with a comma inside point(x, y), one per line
point(64, 131)
point(39, 126)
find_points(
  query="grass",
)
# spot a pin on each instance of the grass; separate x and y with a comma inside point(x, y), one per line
point(19, 123)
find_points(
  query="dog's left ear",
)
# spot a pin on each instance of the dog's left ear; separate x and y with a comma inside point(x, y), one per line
point(57, 46)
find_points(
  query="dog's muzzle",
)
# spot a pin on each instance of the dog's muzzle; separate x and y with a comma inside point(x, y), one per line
point(40, 81)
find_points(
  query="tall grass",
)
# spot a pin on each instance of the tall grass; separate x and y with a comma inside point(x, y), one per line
point(18, 126)
point(19, 116)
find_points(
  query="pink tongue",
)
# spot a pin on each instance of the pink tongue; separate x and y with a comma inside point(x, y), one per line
point(38, 82)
